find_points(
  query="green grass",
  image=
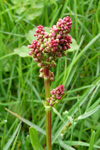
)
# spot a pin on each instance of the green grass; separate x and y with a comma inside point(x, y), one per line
point(76, 120)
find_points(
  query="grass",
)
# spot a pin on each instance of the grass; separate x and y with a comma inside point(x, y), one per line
point(22, 91)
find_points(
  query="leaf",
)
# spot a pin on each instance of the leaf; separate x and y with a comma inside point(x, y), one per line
point(3, 122)
point(92, 140)
point(80, 143)
point(30, 35)
point(85, 115)
point(34, 139)
point(16, 138)
point(65, 146)
point(74, 46)
point(57, 113)
point(86, 48)
point(34, 90)
point(20, 2)
point(8, 55)
point(6, 147)
point(27, 122)
point(20, 10)
point(38, 5)
point(23, 51)
point(33, 15)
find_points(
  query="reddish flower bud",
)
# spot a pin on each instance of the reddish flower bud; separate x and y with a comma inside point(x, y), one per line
point(39, 55)
point(56, 95)
point(30, 53)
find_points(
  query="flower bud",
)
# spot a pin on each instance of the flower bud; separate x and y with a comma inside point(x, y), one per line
point(30, 53)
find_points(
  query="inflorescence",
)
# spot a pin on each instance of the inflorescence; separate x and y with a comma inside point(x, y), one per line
point(56, 95)
point(49, 46)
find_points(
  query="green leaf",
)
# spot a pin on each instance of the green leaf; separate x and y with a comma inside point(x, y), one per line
point(57, 113)
point(74, 46)
point(6, 147)
point(38, 5)
point(86, 48)
point(27, 122)
point(30, 35)
point(34, 139)
point(16, 138)
point(23, 51)
point(3, 122)
point(8, 55)
point(65, 146)
point(20, 10)
point(33, 15)
point(87, 114)
point(92, 140)
point(80, 143)
point(20, 2)
point(32, 125)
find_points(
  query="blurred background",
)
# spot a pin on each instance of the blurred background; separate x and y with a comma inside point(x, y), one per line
point(76, 120)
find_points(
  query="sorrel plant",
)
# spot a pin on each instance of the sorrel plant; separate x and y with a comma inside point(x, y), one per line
point(45, 50)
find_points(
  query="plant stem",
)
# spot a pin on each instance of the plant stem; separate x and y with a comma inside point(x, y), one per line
point(48, 110)
point(48, 129)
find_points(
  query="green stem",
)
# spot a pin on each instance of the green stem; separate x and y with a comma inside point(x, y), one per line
point(48, 110)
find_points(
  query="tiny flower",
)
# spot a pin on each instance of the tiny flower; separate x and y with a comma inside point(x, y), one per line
point(41, 70)
point(50, 104)
point(29, 46)
point(30, 53)
point(39, 55)
point(48, 100)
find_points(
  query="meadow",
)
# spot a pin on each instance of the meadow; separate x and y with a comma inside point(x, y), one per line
point(76, 120)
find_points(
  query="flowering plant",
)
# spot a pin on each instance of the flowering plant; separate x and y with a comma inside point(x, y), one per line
point(45, 50)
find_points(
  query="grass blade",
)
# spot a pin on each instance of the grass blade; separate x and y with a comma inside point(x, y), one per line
point(6, 147)
point(27, 122)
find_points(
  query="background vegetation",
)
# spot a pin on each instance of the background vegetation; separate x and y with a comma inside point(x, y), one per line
point(76, 120)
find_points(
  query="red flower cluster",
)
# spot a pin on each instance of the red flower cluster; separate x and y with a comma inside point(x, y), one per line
point(60, 31)
point(36, 51)
point(56, 95)
point(39, 33)
point(50, 46)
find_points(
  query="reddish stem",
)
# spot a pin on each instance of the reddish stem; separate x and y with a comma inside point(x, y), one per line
point(48, 110)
